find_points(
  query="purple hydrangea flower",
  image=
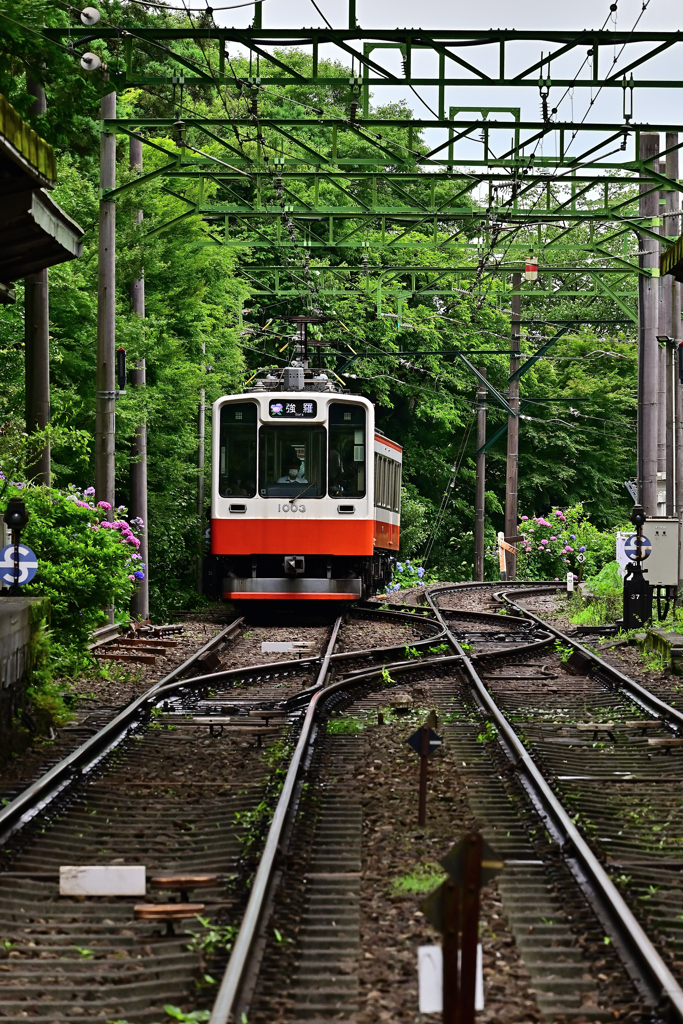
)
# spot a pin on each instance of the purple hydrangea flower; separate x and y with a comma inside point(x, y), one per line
point(582, 548)
point(88, 492)
point(139, 575)
point(105, 505)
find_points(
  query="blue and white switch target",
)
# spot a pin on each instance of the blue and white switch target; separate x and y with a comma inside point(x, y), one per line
point(631, 547)
point(28, 564)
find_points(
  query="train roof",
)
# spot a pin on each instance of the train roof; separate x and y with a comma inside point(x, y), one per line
point(277, 378)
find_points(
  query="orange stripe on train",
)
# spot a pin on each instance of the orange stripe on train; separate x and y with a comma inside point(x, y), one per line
point(301, 536)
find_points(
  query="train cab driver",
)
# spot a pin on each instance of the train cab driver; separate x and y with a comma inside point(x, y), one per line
point(295, 470)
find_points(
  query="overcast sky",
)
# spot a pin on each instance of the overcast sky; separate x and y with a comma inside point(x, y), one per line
point(663, 106)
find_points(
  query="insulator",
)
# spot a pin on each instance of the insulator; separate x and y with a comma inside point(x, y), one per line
point(354, 108)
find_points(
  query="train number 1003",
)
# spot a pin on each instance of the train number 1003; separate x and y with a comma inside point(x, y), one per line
point(291, 507)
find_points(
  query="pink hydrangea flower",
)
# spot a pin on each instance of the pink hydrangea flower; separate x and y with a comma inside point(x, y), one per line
point(544, 542)
point(105, 505)
point(524, 518)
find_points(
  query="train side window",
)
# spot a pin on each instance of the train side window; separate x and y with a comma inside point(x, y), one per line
point(237, 464)
point(397, 496)
point(346, 473)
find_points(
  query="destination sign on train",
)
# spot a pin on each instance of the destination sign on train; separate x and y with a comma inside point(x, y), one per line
point(293, 408)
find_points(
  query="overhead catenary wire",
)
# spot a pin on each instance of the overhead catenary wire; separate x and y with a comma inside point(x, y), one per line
point(450, 486)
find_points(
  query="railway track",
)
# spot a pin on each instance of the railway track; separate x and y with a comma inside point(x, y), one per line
point(283, 812)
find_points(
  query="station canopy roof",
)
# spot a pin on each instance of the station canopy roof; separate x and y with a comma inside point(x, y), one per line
point(34, 231)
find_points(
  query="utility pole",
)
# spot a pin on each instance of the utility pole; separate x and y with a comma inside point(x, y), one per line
point(105, 479)
point(201, 435)
point(139, 605)
point(480, 486)
point(664, 389)
point(648, 355)
point(673, 228)
point(511, 477)
point(37, 342)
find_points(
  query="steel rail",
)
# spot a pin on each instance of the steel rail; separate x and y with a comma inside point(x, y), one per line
point(644, 964)
point(241, 950)
point(670, 716)
point(82, 760)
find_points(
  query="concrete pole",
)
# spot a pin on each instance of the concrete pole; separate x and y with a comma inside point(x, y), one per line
point(105, 477)
point(480, 486)
point(648, 355)
point(673, 228)
point(511, 477)
point(37, 342)
point(139, 605)
point(665, 470)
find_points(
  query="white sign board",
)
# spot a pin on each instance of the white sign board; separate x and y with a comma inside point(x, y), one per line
point(286, 646)
point(430, 979)
point(103, 880)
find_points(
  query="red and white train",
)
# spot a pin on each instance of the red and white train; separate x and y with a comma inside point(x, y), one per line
point(305, 495)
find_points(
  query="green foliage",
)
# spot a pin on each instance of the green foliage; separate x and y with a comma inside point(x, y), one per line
point(551, 546)
point(606, 605)
point(345, 725)
point(488, 734)
point(424, 878)
point(214, 938)
point(84, 563)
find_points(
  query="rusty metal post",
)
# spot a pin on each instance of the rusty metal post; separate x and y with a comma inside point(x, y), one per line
point(480, 486)
point(451, 926)
point(105, 479)
point(471, 888)
point(139, 604)
point(648, 354)
point(512, 474)
point(424, 760)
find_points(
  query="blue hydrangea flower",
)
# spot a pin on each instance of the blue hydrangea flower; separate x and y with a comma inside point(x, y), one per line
point(420, 572)
point(399, 567)
point(139, 575)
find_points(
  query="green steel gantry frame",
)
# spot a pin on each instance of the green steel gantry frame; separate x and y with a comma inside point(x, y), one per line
point(486, 190)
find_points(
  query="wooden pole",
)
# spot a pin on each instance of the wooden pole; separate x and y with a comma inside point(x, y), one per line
point(105, 480)
point(511, 477)
point(139, 605)
point(450, 967)
point(471, 887)
point(648, 355)
point(480, 486)
point(201, 440)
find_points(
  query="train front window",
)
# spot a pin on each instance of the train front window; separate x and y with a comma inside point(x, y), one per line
point(347, 451)
point(292, 462)
point(237, 457)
